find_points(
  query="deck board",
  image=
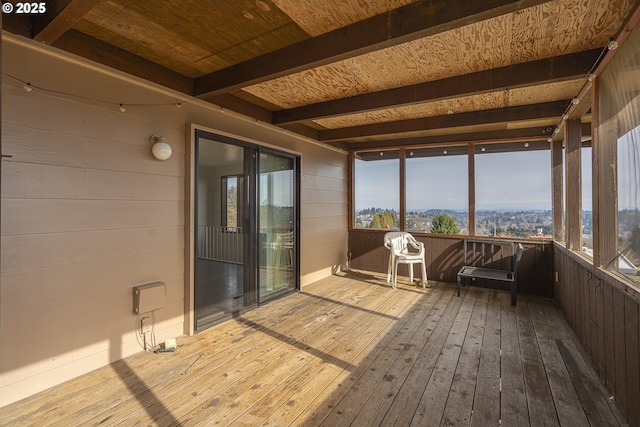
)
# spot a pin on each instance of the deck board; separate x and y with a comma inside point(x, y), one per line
point(349, 350)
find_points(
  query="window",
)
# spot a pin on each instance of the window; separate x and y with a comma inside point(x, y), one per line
point(619, 130)
point(628, 204)
point(437, 187)
point(513, 190)
point(231, 194)
point(377, 190)
point(587, 206)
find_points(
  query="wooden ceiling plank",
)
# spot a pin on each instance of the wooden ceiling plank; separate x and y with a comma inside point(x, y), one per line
point(87, 47)
point(523, 112)
point(416, 20)
point(555, 69)
point(59, 19)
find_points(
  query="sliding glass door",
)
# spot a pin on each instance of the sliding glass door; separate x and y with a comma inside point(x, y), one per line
point(246, 230)
point(277, 195)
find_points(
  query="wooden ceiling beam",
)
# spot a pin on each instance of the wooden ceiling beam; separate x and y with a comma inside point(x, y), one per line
point(59, 18)
point(565, 67)
point(417, 20)
point(498, 115)
point(96, 50)
point(540, 133)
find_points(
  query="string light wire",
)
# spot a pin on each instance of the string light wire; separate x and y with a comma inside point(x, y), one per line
point(122, 106)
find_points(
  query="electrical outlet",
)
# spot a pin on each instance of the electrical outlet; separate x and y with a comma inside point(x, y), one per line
point(145, 324)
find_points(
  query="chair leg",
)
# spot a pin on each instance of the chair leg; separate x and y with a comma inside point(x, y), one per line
point(410, 272)
point(424, 275)
point(389, 267)
point(395, 274)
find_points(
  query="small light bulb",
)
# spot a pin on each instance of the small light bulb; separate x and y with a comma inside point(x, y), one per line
point(612, 45)
point(484, 149)
point(179, 105)
point(526, 145)
point(549, 140)
point(556, 131)
point(591, 77)
point(575, 101)
point(28, 87)
point(444, 152)
point(565, 117)
point(122, 108)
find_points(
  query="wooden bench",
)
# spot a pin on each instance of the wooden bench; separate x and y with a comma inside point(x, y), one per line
point(479, 251)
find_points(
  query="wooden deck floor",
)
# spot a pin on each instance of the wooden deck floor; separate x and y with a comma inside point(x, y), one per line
point(349, 350)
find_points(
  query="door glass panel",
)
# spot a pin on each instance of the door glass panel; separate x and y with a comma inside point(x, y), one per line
point(219, 265)
point(277, 224)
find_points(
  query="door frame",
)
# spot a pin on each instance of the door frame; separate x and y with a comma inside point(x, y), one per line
point(191, 131)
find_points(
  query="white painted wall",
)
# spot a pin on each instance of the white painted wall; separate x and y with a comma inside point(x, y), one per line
point(88, 213)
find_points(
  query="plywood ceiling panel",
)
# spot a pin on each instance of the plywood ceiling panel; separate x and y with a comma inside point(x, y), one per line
point(563, 26)
point(492, 100)
point(236, 30)
point(319, 17)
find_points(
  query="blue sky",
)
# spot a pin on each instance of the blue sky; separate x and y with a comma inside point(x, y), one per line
point(518, 181)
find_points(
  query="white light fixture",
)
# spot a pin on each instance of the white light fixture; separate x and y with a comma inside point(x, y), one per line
point(612, 45)
point(575, 101)
point(161, 150)
point(526, 145)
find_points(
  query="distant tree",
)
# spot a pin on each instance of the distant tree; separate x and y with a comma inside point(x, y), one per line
point(386, 219)
point(444, 224)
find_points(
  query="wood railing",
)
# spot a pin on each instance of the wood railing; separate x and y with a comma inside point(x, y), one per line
point(220, 243)
point(604, 313)
point(444, 257)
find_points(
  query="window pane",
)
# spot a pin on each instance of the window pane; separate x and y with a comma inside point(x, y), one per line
point(232, 201)
point(587, 219)
point(619, 109)
point(377, 190)
point(628, 204)
point(513, 193)
point(437, 187)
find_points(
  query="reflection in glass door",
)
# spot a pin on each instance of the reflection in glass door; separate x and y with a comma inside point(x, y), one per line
point(277, 231)
point(220, 236)
point(245, 226)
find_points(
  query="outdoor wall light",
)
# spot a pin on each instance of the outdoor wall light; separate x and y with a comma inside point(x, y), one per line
point(161, 150)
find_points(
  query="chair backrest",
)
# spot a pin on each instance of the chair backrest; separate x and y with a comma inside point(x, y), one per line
point(516, 260)
point(397, 241)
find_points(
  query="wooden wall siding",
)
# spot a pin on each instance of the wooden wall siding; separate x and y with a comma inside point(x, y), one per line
point(444, 257)
point(423, 60)
point(604, 313)
point(88, 213)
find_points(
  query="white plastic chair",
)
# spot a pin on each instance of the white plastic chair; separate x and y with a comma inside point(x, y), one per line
point(283, 244)
point(398, 243)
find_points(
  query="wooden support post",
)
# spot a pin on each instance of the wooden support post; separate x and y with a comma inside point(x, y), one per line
point(402, 221)
point(573, 146)
point(351, 205)
point(557, 178)
point(472, 189)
